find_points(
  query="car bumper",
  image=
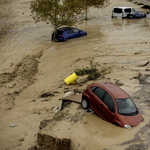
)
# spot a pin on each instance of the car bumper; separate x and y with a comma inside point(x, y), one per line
point(60, 39)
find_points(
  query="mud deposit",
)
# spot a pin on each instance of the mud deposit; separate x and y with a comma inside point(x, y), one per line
point(50, 143)
point(33, 69)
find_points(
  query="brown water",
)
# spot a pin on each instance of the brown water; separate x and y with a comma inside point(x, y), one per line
point(119, 46)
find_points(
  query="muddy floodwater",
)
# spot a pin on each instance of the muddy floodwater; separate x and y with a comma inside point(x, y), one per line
point(31, 64)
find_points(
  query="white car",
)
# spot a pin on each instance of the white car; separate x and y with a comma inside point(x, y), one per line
point(148, 14)
point(121, 12)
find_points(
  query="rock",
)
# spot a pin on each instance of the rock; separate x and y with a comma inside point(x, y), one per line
point(47, 94)
point(32, 148)
point(22, 139)
point(43, 123)
point(119, 83)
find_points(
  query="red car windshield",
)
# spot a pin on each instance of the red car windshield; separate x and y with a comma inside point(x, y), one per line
point(126, 107)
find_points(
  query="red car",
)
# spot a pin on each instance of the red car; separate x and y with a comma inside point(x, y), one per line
point(112, 104)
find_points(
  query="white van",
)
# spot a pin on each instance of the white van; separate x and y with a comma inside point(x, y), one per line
point(121, 12)
point(148, 14)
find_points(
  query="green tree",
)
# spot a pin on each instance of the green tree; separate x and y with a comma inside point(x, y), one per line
point(56, 12)
point(93, 3)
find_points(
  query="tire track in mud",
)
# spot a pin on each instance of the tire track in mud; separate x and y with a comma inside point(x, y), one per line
point(13, 83)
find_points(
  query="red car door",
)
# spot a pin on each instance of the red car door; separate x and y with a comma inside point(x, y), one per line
point(96, 102)
point(109, 108)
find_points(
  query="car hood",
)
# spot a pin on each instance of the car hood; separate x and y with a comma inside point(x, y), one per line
point(131, 120)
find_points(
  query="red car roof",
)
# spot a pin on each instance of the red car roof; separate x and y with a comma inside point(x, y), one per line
point(116, 91)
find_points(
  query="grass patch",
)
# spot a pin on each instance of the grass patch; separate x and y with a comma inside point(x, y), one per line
point(58, 117)
point(92, 71)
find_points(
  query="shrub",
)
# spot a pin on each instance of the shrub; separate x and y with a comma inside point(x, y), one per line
point(92, 71)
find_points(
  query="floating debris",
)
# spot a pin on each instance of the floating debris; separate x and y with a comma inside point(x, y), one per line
point(13, 125)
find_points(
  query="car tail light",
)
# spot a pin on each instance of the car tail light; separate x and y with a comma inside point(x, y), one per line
point(60, 36)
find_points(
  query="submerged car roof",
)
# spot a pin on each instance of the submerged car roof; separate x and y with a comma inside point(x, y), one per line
point(64, 28)
point(116, 91)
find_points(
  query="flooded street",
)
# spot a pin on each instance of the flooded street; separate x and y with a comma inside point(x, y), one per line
point(31, 64)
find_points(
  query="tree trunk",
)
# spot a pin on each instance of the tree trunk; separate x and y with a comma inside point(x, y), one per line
point(86, 13)
point(55, 32)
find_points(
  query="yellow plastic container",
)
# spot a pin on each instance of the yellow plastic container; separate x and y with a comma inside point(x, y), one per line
point(71, 79)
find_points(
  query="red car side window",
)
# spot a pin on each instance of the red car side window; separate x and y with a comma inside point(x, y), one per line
point(109, 102)
point(99, 93)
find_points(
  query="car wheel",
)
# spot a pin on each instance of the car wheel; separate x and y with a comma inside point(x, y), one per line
point(116, 124)
point(85, 103)
point(111, 16)
point(52, 38)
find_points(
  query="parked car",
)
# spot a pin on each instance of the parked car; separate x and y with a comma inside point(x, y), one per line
point(66, 33)
point(136, 15)
point(112, 104)
point(121, 12)
point(148, 14)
